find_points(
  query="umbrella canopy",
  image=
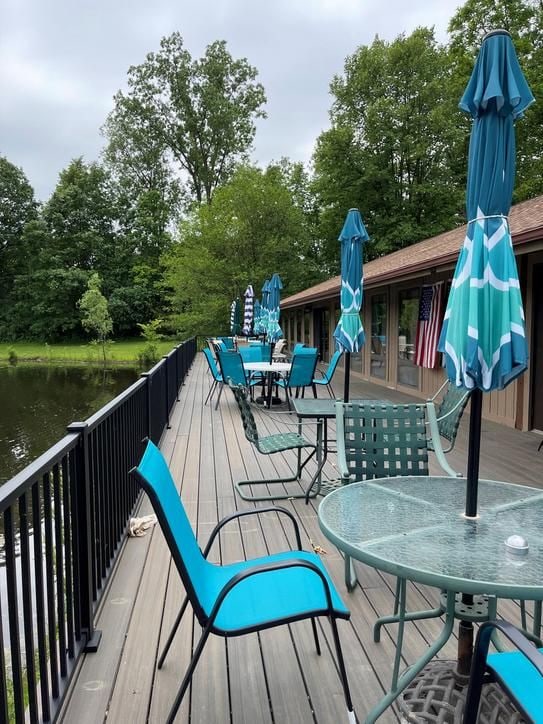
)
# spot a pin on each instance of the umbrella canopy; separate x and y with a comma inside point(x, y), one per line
point(483, 336)
point(258, 327)
point(264, 306)
point(349, 333)
point(274, 301)
point(235, 317)
point(248, 311)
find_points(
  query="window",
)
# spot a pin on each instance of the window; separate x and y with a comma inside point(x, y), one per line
point(408, 312)
point(378, 365)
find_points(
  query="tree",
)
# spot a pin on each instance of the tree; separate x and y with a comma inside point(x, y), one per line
point(388, 150)
point(95, 316)
point(17, 208)
point(200, 113)
point(251, 230)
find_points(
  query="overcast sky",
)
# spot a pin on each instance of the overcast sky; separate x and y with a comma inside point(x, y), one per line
point(61, 61)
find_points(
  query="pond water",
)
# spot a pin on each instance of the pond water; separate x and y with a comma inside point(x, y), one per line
point(37, 402)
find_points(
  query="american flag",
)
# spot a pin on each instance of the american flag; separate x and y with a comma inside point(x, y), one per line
point(429, 323)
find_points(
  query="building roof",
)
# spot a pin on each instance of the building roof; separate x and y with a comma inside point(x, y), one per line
point(526, 222)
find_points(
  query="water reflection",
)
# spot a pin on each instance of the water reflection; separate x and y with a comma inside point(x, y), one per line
point(38, 402)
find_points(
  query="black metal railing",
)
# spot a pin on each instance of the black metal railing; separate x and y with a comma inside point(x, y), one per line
point(62, 522)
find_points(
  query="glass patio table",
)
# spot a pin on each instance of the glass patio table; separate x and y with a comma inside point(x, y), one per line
point(414, 528)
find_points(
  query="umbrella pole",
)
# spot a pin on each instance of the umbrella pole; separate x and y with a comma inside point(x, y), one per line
point(347, 376)
point(474, 452)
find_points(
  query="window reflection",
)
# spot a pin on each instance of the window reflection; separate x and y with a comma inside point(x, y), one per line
point(408, 310)
point(378, 336)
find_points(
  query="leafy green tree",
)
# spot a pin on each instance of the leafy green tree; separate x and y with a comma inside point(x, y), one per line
point(251, 230)
point(95, 316)
point(17, 208)
point(200, 114)
point(388, 150)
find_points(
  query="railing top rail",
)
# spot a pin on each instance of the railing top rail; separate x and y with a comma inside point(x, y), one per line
point(22, 481)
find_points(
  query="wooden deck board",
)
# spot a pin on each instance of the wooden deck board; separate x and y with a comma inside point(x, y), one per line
point(276, 675)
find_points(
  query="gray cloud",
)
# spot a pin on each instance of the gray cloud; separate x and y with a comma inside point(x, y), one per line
point(61, 62)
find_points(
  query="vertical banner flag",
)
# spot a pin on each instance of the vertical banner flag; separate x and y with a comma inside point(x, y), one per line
point(428, 325)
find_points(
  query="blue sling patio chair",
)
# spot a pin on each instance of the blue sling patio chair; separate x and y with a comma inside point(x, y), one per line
point(242, 597)
point(216, 375)
point(326, 376)
point(519, 673)
point(233, 371)
point(444, 419)
point(301, 374)
point(268, 445)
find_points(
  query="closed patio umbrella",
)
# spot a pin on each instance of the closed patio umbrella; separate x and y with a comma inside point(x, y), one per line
point(274, 330)
point(264, 306)
point(349, 333)
point(258, 327)
point(248, 311)
point(235, 317)
point(483, 336)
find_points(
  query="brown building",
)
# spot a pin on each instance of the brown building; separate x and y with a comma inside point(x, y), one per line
point(392, 288)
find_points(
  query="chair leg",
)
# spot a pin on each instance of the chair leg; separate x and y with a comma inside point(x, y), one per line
point(330, 389)
point(172, 632)
point(342, 672)
point(188, 676)
point(314, 386)
point(219, 395)
point(275, 496)
point(316, 636)
point(211, 390)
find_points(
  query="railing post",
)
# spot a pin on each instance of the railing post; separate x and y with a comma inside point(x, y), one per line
point(165, 366)
point(147, 377)
point(83, 535)
point(177, 376)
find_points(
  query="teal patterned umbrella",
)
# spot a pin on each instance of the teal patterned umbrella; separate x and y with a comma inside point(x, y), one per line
point(349, 333)
point(483, 335)
point(264, 306)
point(274, 330)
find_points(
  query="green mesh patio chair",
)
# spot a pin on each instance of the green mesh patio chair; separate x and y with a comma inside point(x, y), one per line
point(216, 375)
point(444, 420)
point(519, 673)
point(268, 445)
point(326, 376)
point(245, 596)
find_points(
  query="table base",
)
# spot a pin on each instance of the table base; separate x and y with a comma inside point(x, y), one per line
point(438, 695)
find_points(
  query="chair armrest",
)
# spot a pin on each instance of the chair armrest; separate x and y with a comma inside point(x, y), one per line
point(266, 568)
point(519, 641)
point(436, 441)
point(255, 511)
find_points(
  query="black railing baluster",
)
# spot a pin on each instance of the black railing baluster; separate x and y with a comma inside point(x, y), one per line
point(13, 618)
point(26, 583)
point(59, 572)
point(73, 471)
point(50, 580)
point(40, 602)
point(66, 503)
point(4, 712)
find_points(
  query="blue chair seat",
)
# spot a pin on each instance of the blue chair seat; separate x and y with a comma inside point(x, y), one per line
point(523, 681)
point(289, 592)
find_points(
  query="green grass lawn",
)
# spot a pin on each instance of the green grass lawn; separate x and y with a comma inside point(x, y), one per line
point(123, 351)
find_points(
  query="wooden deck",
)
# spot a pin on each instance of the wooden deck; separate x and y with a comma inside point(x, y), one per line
point(274, 676)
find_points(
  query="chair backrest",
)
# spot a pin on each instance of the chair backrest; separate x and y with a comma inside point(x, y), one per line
point(229, 342)
point(297, 347)
point(303, 367)
point(332, 365)
point(251, 354)
point(306, 350)
point(382, 440)
point(450, 410)
point(249, 424)
point(212, 364)
point(232, 369)
point(279, 345)
point(155, 478)
point(221, 344)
